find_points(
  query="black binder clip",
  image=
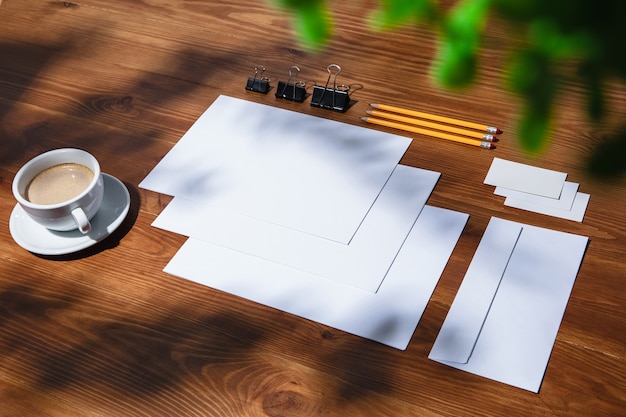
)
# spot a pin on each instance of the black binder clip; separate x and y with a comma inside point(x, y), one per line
point(295, 91)
point(258, 84)
point(335, 98)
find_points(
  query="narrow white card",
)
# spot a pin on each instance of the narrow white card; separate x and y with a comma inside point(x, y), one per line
point(475, 296)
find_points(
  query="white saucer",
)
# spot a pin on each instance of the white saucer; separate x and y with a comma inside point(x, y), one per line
point(37, 239)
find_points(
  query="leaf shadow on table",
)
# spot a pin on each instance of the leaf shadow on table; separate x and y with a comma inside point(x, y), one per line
point(22, 65)
point(56, 337)
point(117, 124)
point(139, 356)
point(89, 341)
point(63, 345)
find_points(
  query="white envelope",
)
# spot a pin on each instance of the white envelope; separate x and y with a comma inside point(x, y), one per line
point(307, 173)
point(505, 317)
point(389, 316)
point(362, 263)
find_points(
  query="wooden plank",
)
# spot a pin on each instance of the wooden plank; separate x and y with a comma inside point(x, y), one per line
point(106, 332)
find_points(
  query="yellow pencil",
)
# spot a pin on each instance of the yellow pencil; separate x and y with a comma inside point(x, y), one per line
point(471, 125)
point(409, 120)
point(440, 135)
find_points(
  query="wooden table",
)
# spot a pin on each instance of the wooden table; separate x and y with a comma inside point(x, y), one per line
point(105, 332)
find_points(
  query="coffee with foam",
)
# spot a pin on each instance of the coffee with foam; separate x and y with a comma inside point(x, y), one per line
point(58, 183)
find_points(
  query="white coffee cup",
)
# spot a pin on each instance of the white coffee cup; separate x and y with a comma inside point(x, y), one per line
point(74, 211)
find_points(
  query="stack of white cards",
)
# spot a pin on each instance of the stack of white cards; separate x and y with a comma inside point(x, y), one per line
point(306, 215)
point(537, 189)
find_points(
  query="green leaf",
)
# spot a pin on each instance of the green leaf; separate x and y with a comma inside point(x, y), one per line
point(608, 160)
point(314, 29)
point(456, 68)
point(312, 21)
point(457, 56)
point(533, 129)
point(395, 13)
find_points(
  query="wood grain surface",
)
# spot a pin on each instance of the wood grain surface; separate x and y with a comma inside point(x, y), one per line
point(104, 332)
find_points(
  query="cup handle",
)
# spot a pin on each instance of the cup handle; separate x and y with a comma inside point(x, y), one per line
point(81, 220)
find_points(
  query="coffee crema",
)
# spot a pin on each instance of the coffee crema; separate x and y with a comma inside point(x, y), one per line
point(58, 183)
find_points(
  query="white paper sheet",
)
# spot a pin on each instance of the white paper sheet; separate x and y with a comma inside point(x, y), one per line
point(513, 345)
point(525, 178)
point(576, 212)
point(362, 264)
point(389, 316)
point(563, 203)
point(302, 172)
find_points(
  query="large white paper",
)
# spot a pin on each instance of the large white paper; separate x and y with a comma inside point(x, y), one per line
point(302, 172)
point(390, 316)
point(513, 345)
point(363, 263)
point(525, 178)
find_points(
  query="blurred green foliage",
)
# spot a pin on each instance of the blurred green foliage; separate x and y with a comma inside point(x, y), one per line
point(587, 35)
